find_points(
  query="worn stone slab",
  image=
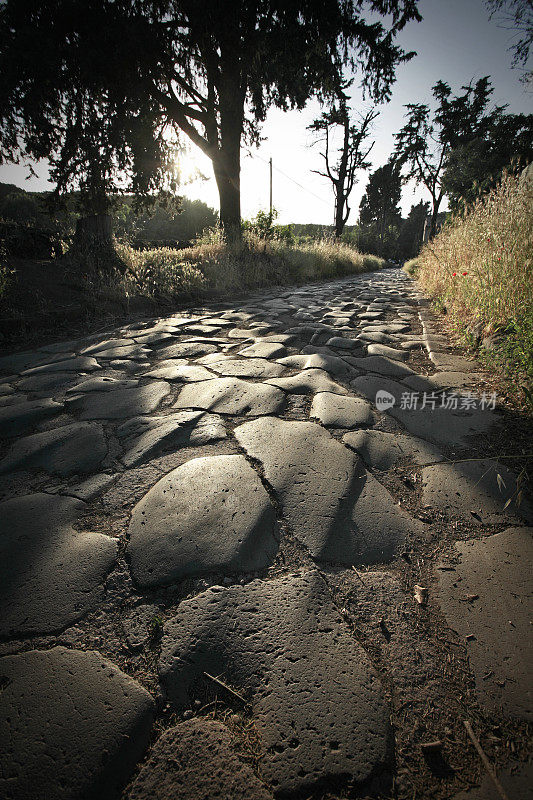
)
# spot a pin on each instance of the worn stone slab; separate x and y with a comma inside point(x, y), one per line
point(72, 725)
point(308, 381)
point(50, 573)
point(246, 368)
point(335, 411)
point(381, 365)
point(51, 382)
point(186, 350)
point(442, 380)
point(487, 598)
point(445, 427)
point(465, 487)
point(77, 364)
point(317, 703)
point(23, 416)
point(180, 373)
point(333, 365)
point(196, 760)
point(145, 437)
point(387, 352)
point(264, 350)
point(207, 515)
point(232, 396)
point(120, 403)
point(103, 383)
point(337, 509)
point(69, 450)
point(517, 782)
point(383, 450)
point(106, 344)
point(453, 363)
point(342, 343)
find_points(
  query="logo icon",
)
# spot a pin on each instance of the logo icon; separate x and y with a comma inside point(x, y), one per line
point(384, 400)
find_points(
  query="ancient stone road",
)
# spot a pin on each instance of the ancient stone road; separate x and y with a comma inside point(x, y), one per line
point(210, 537)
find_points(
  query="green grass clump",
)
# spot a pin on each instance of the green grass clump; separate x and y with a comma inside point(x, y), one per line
point(479, 268)
point(412, 267)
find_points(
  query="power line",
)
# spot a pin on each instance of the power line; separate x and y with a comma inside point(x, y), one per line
point(291, 179)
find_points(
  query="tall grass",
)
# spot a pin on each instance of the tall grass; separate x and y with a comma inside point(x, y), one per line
point(212, 266)
point(479, 268)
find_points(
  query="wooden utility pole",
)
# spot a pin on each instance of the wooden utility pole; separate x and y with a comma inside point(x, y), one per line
point(270, 170)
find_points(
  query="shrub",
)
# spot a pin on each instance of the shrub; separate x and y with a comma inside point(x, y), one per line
point(159, 273)
point(412, 267)
point(480, 269)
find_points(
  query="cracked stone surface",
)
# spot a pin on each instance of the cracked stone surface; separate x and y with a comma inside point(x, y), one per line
point(143, 437)
point(120, 403)
point(334, 506)
point(232, 396)
point(209, 514)
point(472, 490)
point(317, 702)
point(59, 702)
point(68, 450)
point(176, 767)
point(335, 411)
point(216, 501)
point(486, 596)
point(50, 573)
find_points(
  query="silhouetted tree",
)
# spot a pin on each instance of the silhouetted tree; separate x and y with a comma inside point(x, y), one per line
point(351, 155)
point(412, 230)
point(101, 87)
point(379, 207)
point(516, 15)
point(426, 139)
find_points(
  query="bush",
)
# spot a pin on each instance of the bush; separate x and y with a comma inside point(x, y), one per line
point(480, 269)
point(162, 273)
point(412, 267)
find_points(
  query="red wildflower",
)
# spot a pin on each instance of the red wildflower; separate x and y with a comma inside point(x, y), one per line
point(454, 274)
point(465, 273)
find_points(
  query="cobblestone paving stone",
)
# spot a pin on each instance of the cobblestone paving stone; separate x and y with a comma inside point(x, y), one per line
point(211, 529)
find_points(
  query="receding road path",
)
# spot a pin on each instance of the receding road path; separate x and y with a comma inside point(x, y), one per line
point(212, 530)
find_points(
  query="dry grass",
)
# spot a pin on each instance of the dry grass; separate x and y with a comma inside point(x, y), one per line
point(212, 266)
point(479, 269)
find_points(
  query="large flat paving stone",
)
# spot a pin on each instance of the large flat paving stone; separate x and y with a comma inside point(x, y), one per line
point(73, 726)
point(50, 573)
point(335, 411)
point(337, 509)
point(232, 396)
point(467, 488)
point(333, 365)
point(69, 450)
point(120, 403)
point(50, 382)
point(487, 598)
point(180, 373)
point(76, 364)
point(317, 703)
point(207, 515)
point(246, 368)
point(102, 383)
point(382, 365)
point(24, 416)
point(187, 350)
point(264, 350)
point(148, 436)
point(517, 782)
point(196, 760)
point(383, 450)
point(387, 352)
point(309, 381)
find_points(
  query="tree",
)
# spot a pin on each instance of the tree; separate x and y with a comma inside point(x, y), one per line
point(352, 155)
point(518, 15)
point(475, 167)
point(412, 230)
point(379, 207)
point(426, 140)
point(101, 87)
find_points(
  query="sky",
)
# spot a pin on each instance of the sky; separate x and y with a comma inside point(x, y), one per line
point(456, 42)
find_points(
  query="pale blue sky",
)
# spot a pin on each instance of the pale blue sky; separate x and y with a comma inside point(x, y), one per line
point(455, 42)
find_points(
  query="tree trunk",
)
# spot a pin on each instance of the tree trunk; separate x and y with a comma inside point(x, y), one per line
point(434, 216)
point(227, 176)
point(93, 245)
point(339, 213)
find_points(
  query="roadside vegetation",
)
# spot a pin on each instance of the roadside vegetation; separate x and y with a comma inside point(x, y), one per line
point(479, 271)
